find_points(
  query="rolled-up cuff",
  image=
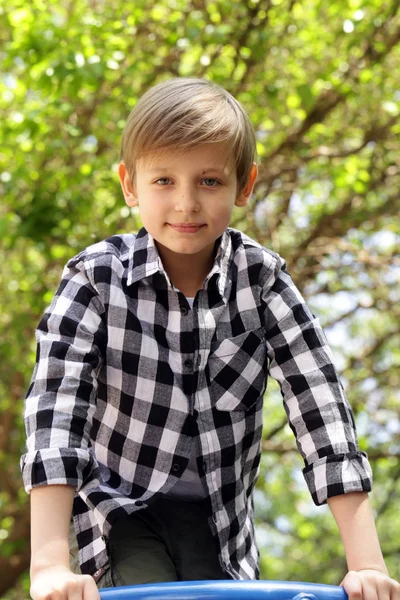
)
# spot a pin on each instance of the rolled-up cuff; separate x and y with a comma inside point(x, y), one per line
point(55, 466)
point(338, 474)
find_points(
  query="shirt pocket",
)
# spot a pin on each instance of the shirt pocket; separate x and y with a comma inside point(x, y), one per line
point(237, 371)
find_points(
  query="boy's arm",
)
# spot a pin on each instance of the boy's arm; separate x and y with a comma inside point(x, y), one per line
point(319, 414)
point(355, 520)
point(61, 400)
point(51, 508)
point(368, 577)
point(58, 415)
point(50, 573)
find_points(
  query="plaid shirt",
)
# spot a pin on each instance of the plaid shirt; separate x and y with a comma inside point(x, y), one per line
point(127, 378)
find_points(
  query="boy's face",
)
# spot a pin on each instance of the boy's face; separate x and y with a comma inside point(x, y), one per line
point(186, 199)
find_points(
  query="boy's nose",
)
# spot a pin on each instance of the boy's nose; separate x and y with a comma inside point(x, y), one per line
point(187, 202)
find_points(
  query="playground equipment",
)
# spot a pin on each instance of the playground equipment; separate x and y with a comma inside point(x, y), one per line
point(226, 590)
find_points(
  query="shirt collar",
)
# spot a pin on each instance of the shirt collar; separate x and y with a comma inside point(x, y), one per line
point(144, 260)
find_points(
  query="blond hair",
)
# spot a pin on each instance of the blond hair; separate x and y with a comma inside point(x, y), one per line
point(182, 113)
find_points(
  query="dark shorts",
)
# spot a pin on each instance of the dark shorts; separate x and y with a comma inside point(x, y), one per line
point(169, 541)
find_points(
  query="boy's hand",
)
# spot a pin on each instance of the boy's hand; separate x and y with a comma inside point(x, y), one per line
point(59, 583)
point(369, 584)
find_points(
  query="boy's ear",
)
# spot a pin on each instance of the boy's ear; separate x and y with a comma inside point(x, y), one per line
point(128, 189)
point(243, 196)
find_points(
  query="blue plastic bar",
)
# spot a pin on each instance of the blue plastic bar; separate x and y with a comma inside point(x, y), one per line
point(226, 590)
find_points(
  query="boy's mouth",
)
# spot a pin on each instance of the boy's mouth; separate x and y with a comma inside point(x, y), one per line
point(186, 227)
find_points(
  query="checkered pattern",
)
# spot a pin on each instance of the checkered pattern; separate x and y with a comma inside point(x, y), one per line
point(127, 378)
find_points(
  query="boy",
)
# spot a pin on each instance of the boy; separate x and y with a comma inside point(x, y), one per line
point(144, 415)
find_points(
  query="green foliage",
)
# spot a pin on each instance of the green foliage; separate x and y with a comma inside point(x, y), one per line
point(320, 82)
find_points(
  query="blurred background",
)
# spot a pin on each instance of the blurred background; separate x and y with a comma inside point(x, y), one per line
point(321, 83)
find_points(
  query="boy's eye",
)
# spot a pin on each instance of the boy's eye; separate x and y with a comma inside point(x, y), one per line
point(213, 180)
point(210, 181)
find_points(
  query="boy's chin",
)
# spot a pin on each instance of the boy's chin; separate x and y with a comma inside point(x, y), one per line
point(185, 249)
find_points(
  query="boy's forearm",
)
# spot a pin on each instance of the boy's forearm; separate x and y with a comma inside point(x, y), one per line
point(355, 520)
point(51, 508)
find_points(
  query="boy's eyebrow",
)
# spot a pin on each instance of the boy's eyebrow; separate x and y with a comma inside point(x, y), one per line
point(206, 170)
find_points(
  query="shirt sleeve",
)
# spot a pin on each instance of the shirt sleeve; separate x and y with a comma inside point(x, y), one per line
point(61, 399)
point(318, 411)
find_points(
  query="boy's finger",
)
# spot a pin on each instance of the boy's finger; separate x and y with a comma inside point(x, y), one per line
point(90, 591)
point(395, 590)
point(353, 586)
point(75, 590)
point(384, 588)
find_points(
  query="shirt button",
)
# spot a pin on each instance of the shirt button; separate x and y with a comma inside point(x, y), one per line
point(204, 466)
point(184, 311)
point(97, 574)
point(139, 503)
point(176, 467)
point(215, 518)
point(188, 363)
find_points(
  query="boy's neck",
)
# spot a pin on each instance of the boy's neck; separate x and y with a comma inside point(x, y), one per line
point(187, 272)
